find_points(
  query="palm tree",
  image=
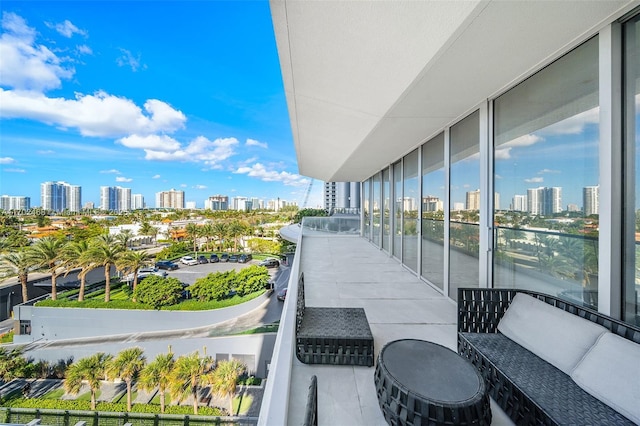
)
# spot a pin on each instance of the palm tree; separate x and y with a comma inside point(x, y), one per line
point(48, 252)
point(147, 229)
point(235, 230)
point(224, 379)
point(74, 255)
point(207, 232)
point(124, 237)
point(187, 376)
point(132, 261)
point(19, 263)
point(105, 254)
point(158, 373)
point(91, 370)
point(126, 366)
point(193, 231)
point(220, 232)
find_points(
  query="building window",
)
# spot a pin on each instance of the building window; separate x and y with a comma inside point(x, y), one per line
point(410, 197)
point(631, 178)
point(25, 326)
point(386, 209)
point(375, 206)
point(397, 196)
point(546, 180)
point(433, 183)
point(366, 209)
point(464, 193)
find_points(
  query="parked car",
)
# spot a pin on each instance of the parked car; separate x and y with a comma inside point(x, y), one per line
point(167, 264)
point(244, 258)
point(282, 294)
point(214, 258)
point(224, 257)
point(233, 258)
point(188, 260)
point(202, 259)
point(270, 263)
point(145, 272)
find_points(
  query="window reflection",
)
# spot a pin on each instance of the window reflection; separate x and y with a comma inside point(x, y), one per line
point(375, 231)
point(397, 194)
point(433, 183)
point(366, 209)
point(386, 209)
point(464, 229)
point(410, 211)
point(546, 187)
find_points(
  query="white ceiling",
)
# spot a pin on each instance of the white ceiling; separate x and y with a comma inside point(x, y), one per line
point(368, 81)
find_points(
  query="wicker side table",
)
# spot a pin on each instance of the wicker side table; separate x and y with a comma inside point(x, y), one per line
point(423, 383)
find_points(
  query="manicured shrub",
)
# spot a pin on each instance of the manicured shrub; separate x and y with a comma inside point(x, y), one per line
point(157, 291)
point(251, 279)
point(216, 286)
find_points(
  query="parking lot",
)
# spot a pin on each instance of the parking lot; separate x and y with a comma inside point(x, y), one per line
point(189, 274)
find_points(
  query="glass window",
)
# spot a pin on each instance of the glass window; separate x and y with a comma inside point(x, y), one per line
point(546, 181)
point(411, 195)
point(366, 210)
point(433, 182)
point(631, 282)
point(375, 231)
point(464, 193)
point(386, 209)
point(397, 196)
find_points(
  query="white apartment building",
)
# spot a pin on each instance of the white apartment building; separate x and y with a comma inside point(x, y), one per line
point(8, 202)
point(59, 196)
point(115, 198)
point(171, 199)
point(590, 200)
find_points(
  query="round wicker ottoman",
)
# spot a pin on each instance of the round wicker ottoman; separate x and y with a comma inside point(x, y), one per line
point(423, 383)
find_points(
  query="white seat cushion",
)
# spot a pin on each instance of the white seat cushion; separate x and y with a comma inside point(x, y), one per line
point(610, 371)
point(558, 337)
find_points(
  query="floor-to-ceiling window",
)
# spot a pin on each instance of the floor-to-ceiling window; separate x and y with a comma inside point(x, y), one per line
point(386, 209)
point(410, 199)
point(397, 208)
point(375, 207)
point(546, 180)
point(631, 177)
point(433, 184)
point(366, 209)
point(464, 193)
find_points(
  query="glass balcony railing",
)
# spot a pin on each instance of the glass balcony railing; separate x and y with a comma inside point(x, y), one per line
point(333, 225)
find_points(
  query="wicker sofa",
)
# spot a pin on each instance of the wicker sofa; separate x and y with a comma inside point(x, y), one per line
point(548, 361)
point(338, 336)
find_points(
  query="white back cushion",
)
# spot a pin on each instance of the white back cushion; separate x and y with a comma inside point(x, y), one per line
point(610, 371)
point(558, 337)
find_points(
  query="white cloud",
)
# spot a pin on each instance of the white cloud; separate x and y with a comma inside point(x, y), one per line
point(253, 142)
point(548, 171)
point(45, 152)
point(536, 179)
point(575, 124)
point(503, 152)
point(67, 29)
point(200, 187)
point(153, 142)
point(100, 114)
point(200, 149)
point(155, 177)
point(83, 49)
point(112, 171)
point(7, 160)
point(123, 179)
point(128, 60)
point(14, 170)
point(260, 171)
point(183, 185)
point(26, 65)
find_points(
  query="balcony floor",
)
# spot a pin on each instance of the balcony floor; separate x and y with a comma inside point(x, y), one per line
point(345, 271)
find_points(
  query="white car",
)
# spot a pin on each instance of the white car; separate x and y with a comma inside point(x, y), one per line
point(188, 260)
point(145, 272)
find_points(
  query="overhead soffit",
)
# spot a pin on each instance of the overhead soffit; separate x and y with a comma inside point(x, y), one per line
point(367, 82)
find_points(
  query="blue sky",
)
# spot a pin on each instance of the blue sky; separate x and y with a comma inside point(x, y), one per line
point(145, 95)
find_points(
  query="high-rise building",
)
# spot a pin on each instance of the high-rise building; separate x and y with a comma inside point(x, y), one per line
point(171, 199)
point(60, 196)
point(473, 200)
point(137, 202)
point(341, 195)
point(15, 203)
point(217, 202)
point(519, 203)
point(544, 201)
point(432, 204)
point(238, 203)
point(191, 205)
point(590, 199)
point(115, 198)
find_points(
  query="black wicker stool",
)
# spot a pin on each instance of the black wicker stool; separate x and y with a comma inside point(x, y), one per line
point(423, 383)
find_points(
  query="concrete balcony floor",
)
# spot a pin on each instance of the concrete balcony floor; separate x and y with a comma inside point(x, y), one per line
point(347, 271)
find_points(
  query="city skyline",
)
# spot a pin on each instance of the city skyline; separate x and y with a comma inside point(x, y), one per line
point(157, 104)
